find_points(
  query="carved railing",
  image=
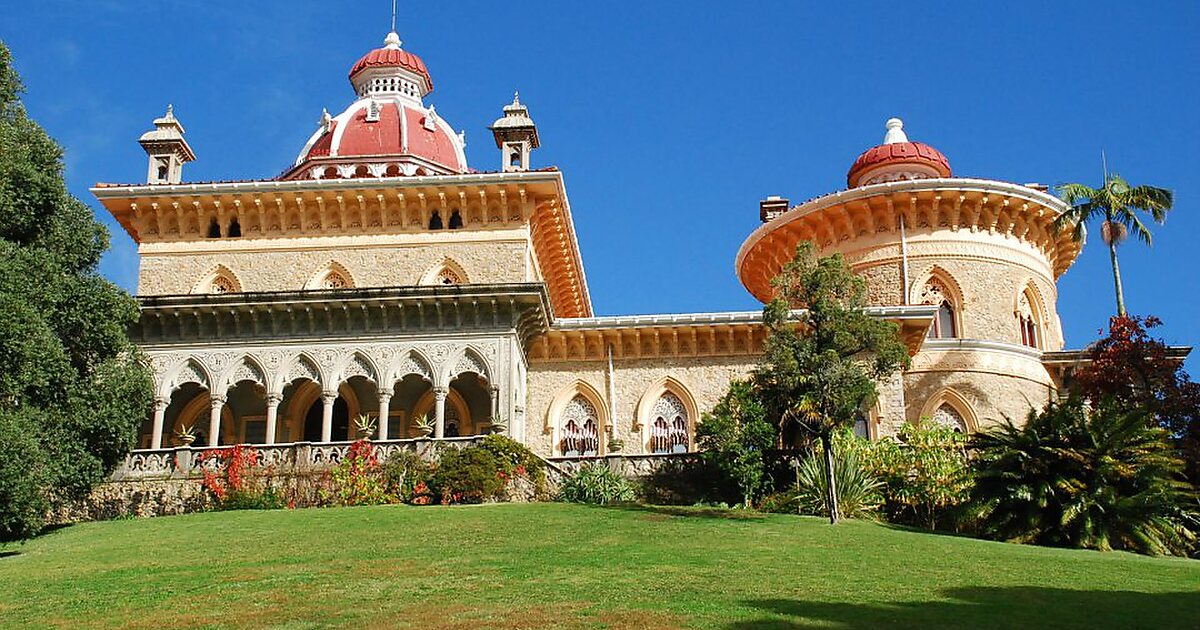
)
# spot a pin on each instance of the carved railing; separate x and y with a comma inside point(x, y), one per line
point(291, 458)
point(626, 465)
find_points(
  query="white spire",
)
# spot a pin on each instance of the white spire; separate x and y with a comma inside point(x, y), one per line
point(392, 41)
point(895, 132)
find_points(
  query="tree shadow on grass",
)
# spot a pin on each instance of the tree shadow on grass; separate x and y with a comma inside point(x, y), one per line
point(8, 553)
point(689, 511)
point(990, 607)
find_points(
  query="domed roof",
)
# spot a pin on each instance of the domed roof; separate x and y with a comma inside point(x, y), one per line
point(896, 159)
point(392, 56)
point(389, 131)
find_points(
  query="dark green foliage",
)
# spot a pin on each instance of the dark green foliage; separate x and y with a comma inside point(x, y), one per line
point(1073, 477)
point(821, 362)
point(857, 490)
point(267, 499)
point(72, 391)
point(734, 439)
point(597, 484)
point(406, 476)
point(468, 475)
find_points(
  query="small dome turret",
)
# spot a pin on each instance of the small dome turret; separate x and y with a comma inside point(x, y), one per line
point(897, 159)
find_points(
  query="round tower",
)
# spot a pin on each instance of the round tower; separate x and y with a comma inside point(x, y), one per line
point(983, 252)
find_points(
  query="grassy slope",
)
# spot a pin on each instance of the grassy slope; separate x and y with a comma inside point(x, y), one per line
point(553, 565)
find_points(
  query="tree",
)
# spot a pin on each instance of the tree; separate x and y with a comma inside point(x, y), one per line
point(734, 439)
point(72, 389)
point(1116, 204)
point(925, 472)
point(821, 362)
point(1139, 371)
point(1077, 476)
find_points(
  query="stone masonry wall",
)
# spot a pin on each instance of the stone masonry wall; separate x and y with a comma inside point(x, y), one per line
point(259, 266)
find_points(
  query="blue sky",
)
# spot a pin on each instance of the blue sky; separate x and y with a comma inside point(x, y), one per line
point(670, 119)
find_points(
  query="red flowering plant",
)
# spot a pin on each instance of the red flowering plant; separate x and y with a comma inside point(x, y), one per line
point(1136, 370)
point(358, 478)
point(233, 478)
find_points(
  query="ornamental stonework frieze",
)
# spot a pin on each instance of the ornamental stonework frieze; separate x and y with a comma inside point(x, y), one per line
point(381, 363)
point(992, 358)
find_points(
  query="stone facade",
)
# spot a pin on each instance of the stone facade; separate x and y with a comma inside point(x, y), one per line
point(493, 257)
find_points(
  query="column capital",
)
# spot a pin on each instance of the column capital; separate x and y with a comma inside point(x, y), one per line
point(274, 398)
point(385, 394)
point(441, 391)
point(329, 397)
point(161, 401)
point(216, 400)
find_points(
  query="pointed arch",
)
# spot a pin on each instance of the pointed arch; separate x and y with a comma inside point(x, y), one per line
point(359, 364)
point(939, 288)
point(190, 370)
point(469, 361)
point(332, 275)
point(247, 368)
point(411, 362)
point(577, 403)
point(446, 272)
point(658, 398)
point(1029, 309)
point(949, 404)
point(219, 279)
point(301, 366)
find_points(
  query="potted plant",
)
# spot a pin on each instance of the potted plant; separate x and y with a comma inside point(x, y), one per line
point(365, 425)
point(499, 425)
point(423, 425)
point(186, 435)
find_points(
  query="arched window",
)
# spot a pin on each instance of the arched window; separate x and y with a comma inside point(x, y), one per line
point(456, 221)
point(1027, 320)
point(235, 228)
point(335, 280)
point(221, 284)
point(944, 323)
point(162, 172)
point(669, 426)
point(949, 417)
point(514, 160)
point(214, 230)
point(435, 221)
point(580, 428)
point(447, 276)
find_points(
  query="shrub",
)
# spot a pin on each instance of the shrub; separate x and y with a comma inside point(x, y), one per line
point(734, 439)
point(406, 476)
point(1075, 477)
point(468, 475)
point(597, 484)
point(857, 491)
point(357, 479)
point(925, 473)
point(236, 483)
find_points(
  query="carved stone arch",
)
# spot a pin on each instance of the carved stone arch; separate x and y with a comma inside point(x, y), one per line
point(218, 280)
point(954, 289)
point(469, 360)
point(1028, 301)
point(955, 401)
point(446, 272)
point(301, 366)
point(247, 368)
point(412, 361)
point(563, 400)
point(332, 275)
point(359, 364)
point(190, 370)
point(1037, 300)
point(650, 399)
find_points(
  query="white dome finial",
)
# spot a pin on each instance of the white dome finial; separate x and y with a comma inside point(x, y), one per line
point(895, 132)
point(392, 41)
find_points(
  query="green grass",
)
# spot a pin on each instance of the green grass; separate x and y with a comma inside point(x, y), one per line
point(568, 566)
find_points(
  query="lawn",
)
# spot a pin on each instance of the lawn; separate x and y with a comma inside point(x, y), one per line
point(569, 566)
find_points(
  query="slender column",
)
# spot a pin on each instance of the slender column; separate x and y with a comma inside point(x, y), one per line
point(494, 390)
point(439, 396)
point(214, 420)
point(385, 399)
point(160, 410)
point(273, 401)
point(327, 399)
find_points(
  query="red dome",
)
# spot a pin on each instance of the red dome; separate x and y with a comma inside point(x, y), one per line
point(393, 58)
point(916, 153)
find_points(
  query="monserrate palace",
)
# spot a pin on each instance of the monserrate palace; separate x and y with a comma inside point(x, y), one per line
point(382, 275)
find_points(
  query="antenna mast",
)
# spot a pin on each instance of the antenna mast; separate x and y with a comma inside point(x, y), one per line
point(393, 16)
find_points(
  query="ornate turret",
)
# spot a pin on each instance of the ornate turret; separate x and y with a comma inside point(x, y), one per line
point(167, 149)
point(516, 136)
point(897, 159)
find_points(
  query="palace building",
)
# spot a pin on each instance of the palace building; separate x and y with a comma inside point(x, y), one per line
point(383, 275)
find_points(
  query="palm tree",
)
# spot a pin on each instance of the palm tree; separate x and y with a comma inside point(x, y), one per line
point(1117, 205)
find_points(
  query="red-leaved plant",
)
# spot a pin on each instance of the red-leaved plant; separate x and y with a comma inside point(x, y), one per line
point(232, 475)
